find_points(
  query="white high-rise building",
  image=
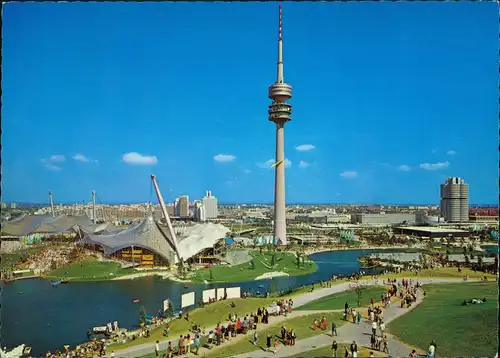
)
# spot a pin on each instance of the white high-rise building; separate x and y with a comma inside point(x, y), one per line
point(210, 204)
point(176, 208)
point(199, 211)
point(455, 200)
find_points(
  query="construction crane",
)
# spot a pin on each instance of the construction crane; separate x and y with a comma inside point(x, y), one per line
point(166, 216)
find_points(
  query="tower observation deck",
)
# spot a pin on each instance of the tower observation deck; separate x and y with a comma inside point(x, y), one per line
point(279, 113)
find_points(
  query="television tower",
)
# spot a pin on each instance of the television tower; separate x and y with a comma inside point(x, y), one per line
point(279, 113)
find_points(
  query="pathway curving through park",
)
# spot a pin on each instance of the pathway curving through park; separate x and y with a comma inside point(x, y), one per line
point(347, 333)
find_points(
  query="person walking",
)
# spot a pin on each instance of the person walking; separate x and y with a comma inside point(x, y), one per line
point(373, 341)
point(170, 350)
point(374, 328)
point(275, 346)
point(382, 328)
point(386, 348)
point(334, 329)
point(359, 317)
point(197, 344)
point(413, 354)
point(431, 351)
point(157, 348)
point(334, 348)
point(269, 337)
point(255, 338)
point(354, 347)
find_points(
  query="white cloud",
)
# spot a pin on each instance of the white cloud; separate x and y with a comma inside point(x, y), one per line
point(224, 158)
point(451, 152)
point(82, 158)
point(305, 147)
point(134, 158)
point(57, 158)
point(434, 166)
point(349, 175)
point(52, 167)
point(404, 168)
point(304, 164)
point(267, 164)
point(48, 163)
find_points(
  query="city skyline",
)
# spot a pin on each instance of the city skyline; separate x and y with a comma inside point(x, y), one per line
point(387, 104)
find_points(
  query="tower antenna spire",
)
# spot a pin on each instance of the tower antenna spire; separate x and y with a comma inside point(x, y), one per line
point(281, 78)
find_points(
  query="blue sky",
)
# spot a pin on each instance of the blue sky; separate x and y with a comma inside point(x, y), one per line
point(389, 100)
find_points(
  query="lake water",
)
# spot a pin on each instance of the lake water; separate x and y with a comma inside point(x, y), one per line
point(47, 317)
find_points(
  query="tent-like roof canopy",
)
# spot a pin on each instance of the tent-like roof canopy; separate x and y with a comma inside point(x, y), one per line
point(46, 224)
point(64, 223)
point(199, 237)
point(24, 225)
point(146, 234)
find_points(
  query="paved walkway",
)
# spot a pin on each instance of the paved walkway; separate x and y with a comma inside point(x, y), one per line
point(359, 333)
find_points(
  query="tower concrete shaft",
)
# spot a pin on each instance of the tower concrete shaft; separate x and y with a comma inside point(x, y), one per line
point(279, 113)
point(53, 213)
point(94, 219)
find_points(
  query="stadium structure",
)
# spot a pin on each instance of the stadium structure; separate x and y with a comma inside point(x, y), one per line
point(145, 243)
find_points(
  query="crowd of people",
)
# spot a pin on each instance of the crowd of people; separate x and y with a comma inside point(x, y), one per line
point(235, 326)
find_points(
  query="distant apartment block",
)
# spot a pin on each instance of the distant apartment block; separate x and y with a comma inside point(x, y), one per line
point(455, 200)
point(383, 219)
point(210, 205)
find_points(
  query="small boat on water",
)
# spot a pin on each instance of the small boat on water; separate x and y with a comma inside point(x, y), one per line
point(135, 300)
point(186, 286)
point(56, 283)
point(20, 293)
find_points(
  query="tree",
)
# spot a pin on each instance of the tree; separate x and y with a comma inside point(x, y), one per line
point(297, 255)
point(467, 261)
point(142, 316)
point(252, 264)
point(180, 268)
point(465, 251)
point(211, 275)
point(260, 249)
point(170, 311)
point(273, 259)
point(359, 288)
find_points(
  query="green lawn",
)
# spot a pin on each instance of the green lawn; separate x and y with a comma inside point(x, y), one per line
point(302, 325)
point(327, 352)
point(444, 272)
point(338, 300)
point(89, 269)
point(464, 331)
point(285, 262)
point(207, 316)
